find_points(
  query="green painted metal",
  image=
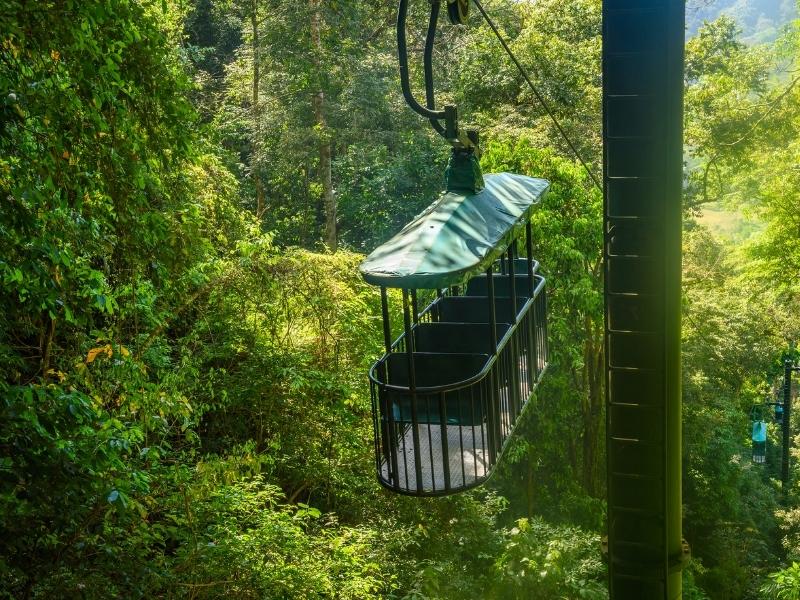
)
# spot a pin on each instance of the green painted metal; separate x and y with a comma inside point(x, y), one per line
point(459, 236)
point(463, 172)
point(643, 150)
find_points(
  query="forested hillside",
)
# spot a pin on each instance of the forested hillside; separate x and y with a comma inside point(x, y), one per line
point(188, 188)
point(761, 20)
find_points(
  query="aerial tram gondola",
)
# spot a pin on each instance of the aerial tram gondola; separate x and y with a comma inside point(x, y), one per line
point(449, 390)
point(778, 416)
point(759, 417)
point(759, 435)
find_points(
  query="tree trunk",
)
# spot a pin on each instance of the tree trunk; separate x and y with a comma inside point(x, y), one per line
point(328, 198)
point(592, 410)
point(256, 114)
point(48, 345)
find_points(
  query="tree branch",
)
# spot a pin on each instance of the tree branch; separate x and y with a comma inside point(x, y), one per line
point(772, 106)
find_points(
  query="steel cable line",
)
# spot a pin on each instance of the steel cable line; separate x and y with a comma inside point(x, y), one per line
point(538, 95)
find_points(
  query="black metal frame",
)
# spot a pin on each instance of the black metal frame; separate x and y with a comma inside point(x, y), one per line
point(788, 368)
point(448, 391)
point(457, 12)
point(642, 59)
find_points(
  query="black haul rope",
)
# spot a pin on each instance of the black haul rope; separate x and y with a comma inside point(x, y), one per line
point(538, 95)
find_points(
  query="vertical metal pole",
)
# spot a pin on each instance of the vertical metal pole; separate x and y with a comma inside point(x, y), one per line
point(643, 46)
point(512, 279)
point(529, 251)
point(787, 428)
point(492, 313)
point(515, 400)
point(388, 427)
point(412, 388)
point(545, 355)
point(444, 437)
point(387, 328)
point(533, 317)
point(493, 416)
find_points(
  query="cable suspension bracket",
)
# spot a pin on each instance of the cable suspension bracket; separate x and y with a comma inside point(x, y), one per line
point(444, 121)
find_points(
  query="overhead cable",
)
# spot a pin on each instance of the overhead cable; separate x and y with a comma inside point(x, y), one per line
point(538, 95)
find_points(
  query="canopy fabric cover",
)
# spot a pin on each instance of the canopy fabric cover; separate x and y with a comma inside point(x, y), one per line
point(759, 431)
point(458, 236)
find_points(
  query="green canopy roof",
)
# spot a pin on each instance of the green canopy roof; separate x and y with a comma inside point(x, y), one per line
point(456, 237)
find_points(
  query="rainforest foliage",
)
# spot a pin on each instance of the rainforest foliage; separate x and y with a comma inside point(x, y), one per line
point(187, 190)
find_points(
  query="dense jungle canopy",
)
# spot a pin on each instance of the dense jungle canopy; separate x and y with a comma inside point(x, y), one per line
point(187, 188)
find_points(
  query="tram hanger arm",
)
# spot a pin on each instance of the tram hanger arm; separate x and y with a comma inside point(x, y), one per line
point(450, 130)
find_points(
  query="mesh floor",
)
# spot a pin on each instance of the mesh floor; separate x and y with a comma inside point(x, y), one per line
point(467, 454)
point(467, 457)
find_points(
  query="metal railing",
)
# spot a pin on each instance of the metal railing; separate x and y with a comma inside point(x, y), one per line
point(442, 419)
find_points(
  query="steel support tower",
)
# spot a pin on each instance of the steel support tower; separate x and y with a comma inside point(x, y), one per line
point(643, 42)
point(788, 368)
